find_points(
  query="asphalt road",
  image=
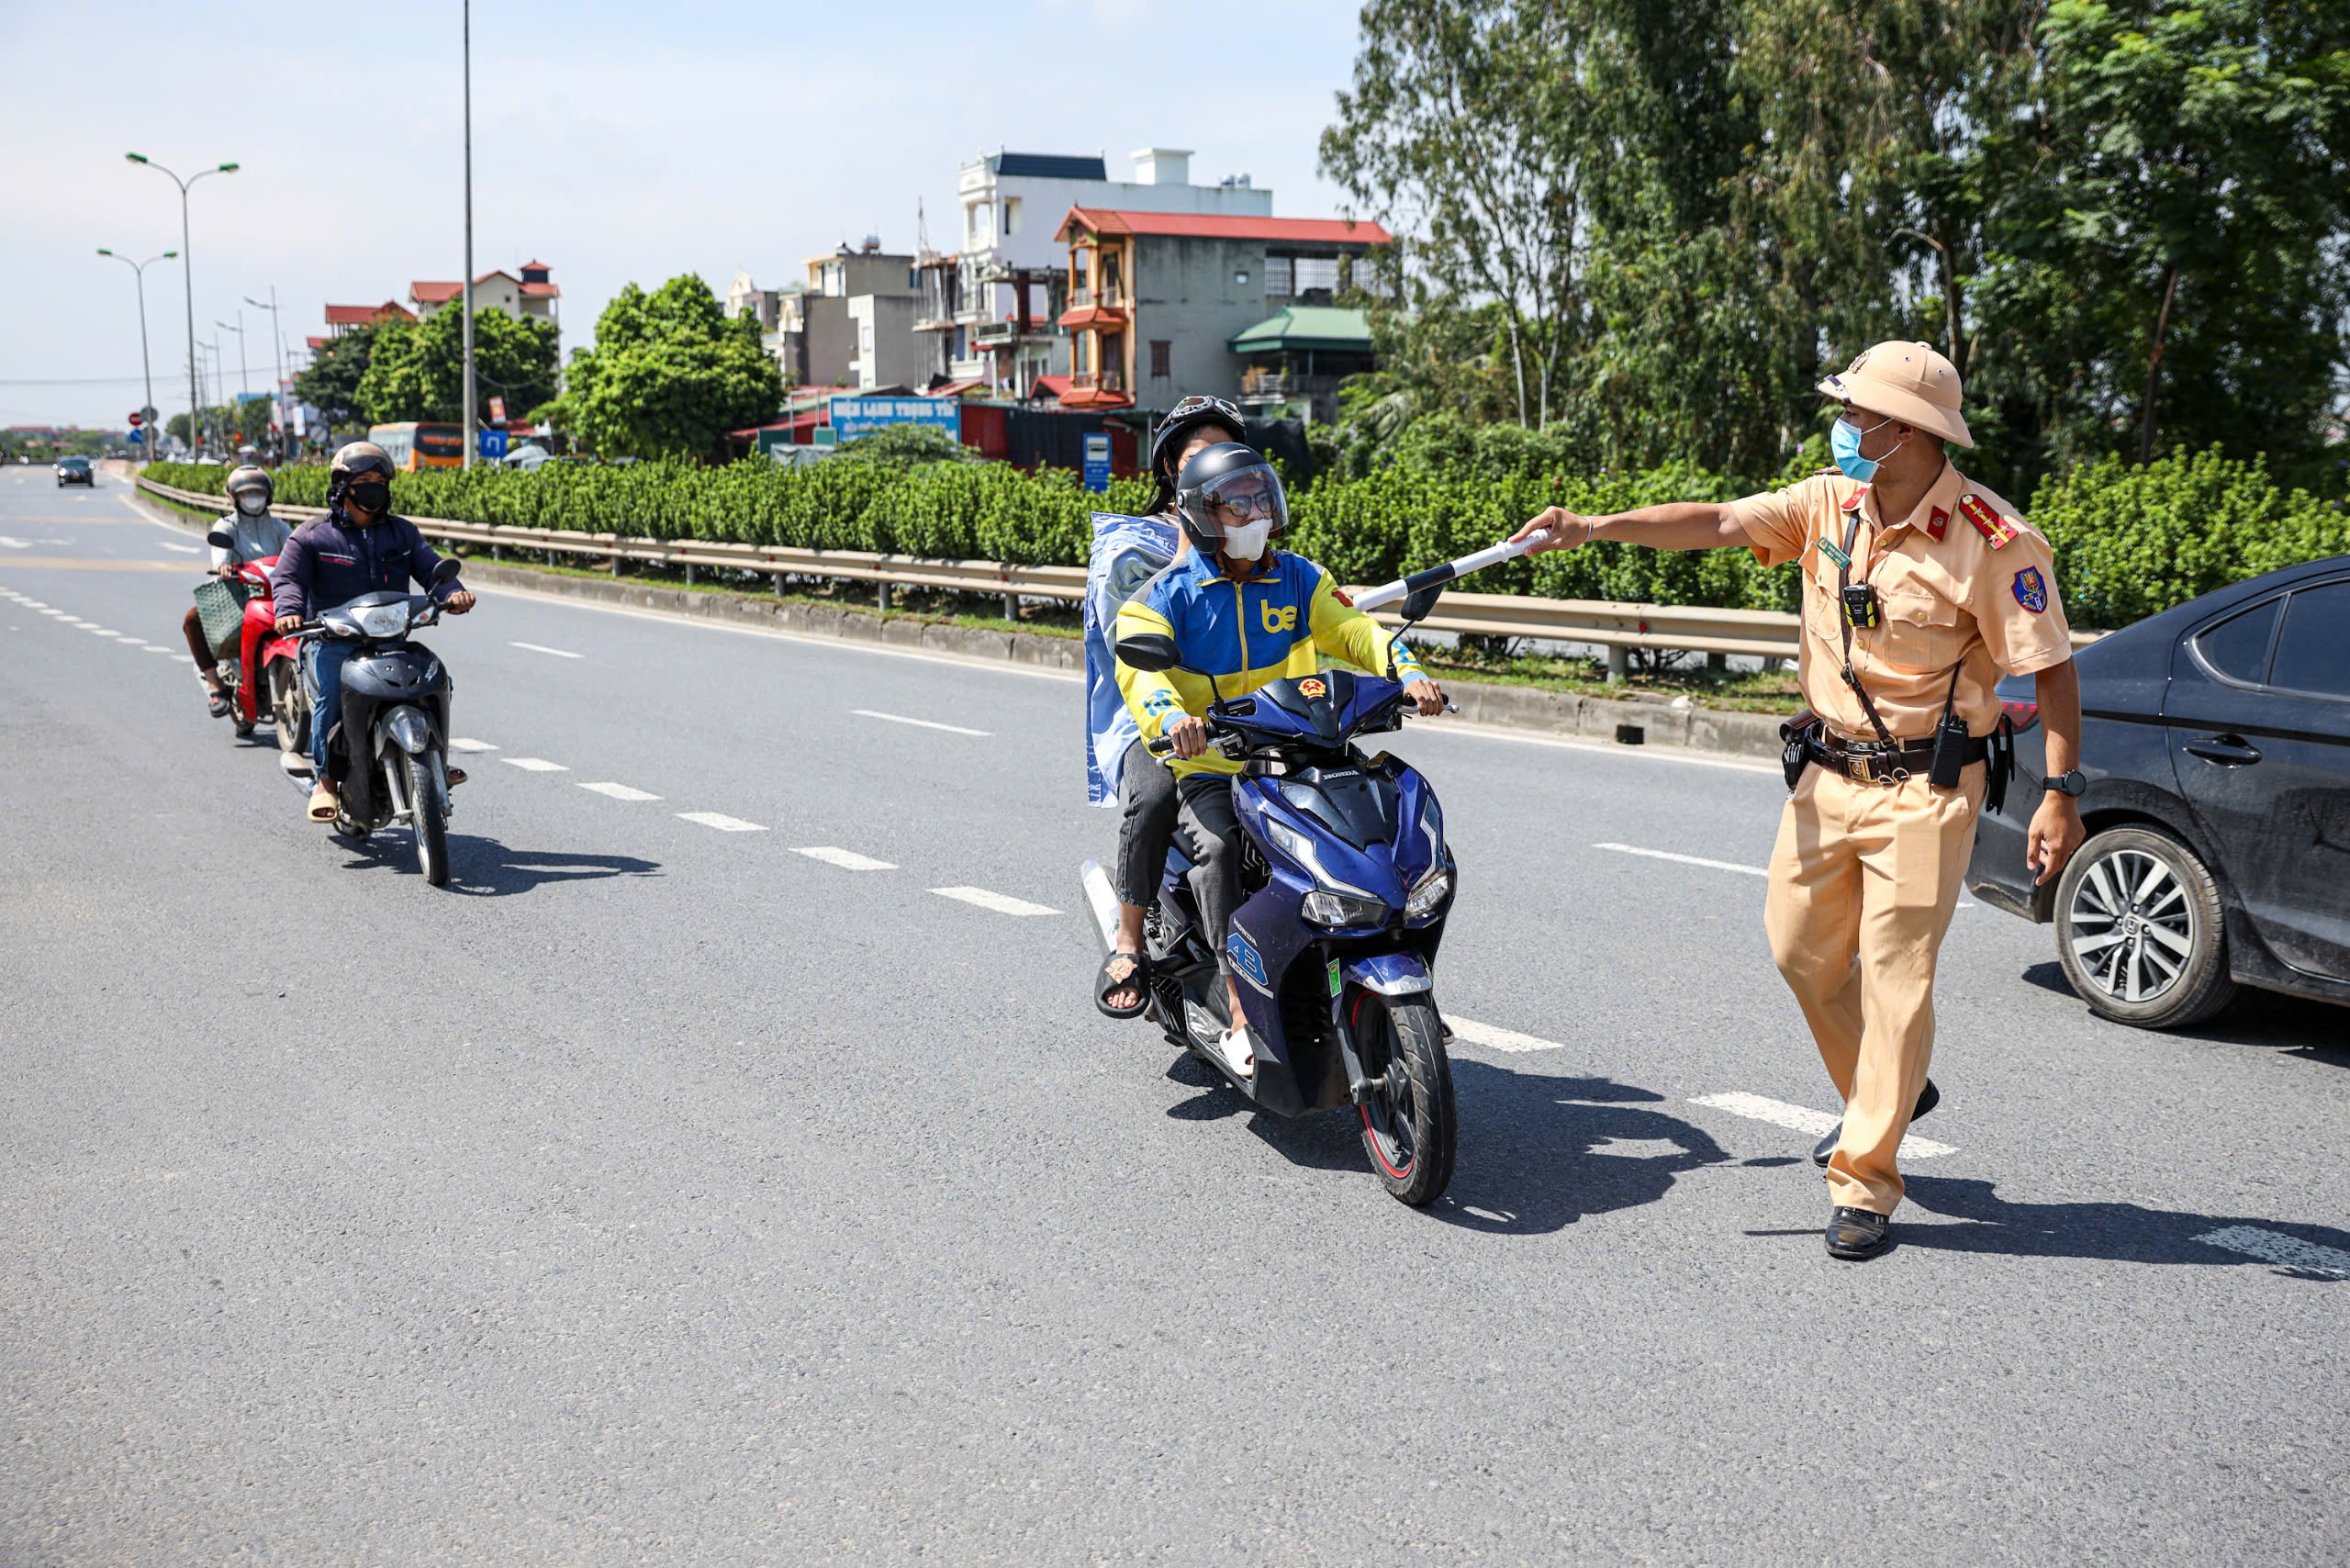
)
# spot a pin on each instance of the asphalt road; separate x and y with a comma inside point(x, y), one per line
point(660, 1193)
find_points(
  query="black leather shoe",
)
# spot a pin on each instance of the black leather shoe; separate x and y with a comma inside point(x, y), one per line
point(1854, 1234)
point(1824, 1150)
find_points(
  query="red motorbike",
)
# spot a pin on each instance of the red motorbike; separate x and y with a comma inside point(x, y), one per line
point(275, 683)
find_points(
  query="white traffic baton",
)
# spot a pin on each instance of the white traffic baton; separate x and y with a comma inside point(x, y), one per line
point(1437, 577)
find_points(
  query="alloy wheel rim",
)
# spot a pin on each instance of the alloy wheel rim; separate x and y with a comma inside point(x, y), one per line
point(2132, 925)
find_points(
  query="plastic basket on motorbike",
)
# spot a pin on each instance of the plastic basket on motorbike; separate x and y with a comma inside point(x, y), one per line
point(220, 608)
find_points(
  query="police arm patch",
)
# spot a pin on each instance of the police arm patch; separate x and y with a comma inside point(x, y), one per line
point(2031, 589)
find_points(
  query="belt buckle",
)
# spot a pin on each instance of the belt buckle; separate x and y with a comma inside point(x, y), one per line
point(1859, 767)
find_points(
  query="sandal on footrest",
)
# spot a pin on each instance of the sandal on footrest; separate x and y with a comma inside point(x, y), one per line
point(1137, 976)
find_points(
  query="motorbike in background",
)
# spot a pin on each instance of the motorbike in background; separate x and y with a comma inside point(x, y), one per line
point(393, 737)
point(276, 688)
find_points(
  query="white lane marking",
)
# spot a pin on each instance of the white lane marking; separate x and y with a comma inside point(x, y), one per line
point(925, 723)
point(166, 652)
point(620, 791)
point(1686, 860)
point(722, 822)
point(1000, 903)
point(74, 620)
point(2286, 1251)
point(1494, 1038)
point(1812, 1123)
point(183, 549)
point(32, 604)
point(16, 543)
point(846, 859)
point(103, 632)
point(533, 765)
point(135, 642)
point(535, 648)
point(462, 744)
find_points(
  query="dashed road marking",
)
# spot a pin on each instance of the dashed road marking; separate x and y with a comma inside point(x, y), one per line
point(846, 859)
point(533, 765)
point(925, 723)
point(462, 744)
point(135, 642)
point(620, 791)
point(535, 648)
point(16, 543)
point(1498, 1039)
point(183, 549)
point(1686, 860)
point(32, 604)
point(167, 653)
point(102, 632)
point(2284, 1251)
point(1002, 904)
point(1812, 1123)
point(722, 822)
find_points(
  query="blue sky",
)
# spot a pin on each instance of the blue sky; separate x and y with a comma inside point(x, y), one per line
point(617, 142)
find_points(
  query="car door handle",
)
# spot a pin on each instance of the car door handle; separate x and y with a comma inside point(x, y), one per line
point(2228, 751)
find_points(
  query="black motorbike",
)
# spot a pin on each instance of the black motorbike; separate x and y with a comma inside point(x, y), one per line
point(389, 751)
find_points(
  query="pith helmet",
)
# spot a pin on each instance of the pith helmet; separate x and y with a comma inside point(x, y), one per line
point(1908, 382)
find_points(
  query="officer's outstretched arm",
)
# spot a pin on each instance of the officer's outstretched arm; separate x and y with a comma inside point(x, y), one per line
point(1677, 525)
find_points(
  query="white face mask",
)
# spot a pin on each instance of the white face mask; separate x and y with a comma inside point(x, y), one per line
point(1246, 541)
point(251, 503)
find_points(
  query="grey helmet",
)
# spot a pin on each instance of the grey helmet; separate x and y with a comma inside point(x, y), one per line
point(246, 479)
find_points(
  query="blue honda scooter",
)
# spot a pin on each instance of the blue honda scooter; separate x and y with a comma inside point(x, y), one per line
point(1345, 883)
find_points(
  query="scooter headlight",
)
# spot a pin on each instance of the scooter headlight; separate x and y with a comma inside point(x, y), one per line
point(1428, 895)
point(1300, 849)
point(382, 619)
point(1323, 907)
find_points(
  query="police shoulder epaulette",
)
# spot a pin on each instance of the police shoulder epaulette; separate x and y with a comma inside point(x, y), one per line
point(1854, 499)
point(1996, 529)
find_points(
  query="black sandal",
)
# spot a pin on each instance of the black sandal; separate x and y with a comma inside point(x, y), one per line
point(1137, 977)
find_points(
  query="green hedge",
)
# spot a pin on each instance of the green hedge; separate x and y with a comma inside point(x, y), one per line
point(2128, 540)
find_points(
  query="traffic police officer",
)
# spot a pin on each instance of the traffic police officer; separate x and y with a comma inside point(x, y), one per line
point(1919, 587)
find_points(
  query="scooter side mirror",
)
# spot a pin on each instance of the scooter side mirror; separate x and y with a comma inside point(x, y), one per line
point(447, 570)
point(1421, 602)
point(221, 539)
point(1148, 651)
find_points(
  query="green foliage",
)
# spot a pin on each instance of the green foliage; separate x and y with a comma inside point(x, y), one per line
point(2128, 540)
point(417, 371)
point(2131, 540)
point(329, 383)
point(906, 445)
point(669, 376)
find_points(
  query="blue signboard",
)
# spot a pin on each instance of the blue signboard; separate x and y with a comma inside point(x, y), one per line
point(1097, 461)
point(492, 443)
point(854, 417)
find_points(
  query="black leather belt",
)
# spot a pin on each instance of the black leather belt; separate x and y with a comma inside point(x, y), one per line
point(1873, 762)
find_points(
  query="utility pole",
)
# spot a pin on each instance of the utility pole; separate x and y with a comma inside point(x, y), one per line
point(244, 374)
point(277, 338)
point(146, 368)
point(471, 440)
point(187, 270)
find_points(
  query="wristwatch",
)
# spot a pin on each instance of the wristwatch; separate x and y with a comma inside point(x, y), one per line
point(2070, 783)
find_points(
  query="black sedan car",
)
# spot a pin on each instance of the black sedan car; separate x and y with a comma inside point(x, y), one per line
point(2216, 742)
point(76, 471)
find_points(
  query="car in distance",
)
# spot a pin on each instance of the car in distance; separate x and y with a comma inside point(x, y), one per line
point(2216, 742)
point(76, 471)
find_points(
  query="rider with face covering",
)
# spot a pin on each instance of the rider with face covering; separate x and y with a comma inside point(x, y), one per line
point(358, 547)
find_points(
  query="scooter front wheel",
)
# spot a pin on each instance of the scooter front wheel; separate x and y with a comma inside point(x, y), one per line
point(431, 818)
point(1408, 1123)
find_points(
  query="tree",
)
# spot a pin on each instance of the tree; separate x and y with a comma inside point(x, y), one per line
point(329, 383)
point(670, 374)
point(1467, 126)
point(417, 371)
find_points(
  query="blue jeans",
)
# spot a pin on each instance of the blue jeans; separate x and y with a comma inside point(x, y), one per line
point(322, 662)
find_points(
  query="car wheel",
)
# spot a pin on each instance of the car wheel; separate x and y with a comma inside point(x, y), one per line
point(2141, 932)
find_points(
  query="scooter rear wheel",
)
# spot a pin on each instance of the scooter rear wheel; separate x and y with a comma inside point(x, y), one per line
point(1409, 1125)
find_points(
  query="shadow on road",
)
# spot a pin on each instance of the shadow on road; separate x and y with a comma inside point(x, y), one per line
point(1536, 1153)
point(2122, 1233)
point(2313, 1029)
point(483, 868)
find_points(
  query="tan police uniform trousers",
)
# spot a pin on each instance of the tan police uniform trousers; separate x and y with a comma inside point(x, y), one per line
point(1863, 878)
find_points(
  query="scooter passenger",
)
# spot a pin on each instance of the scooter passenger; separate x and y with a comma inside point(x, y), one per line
point(359, 547)
point(1128, 552)
point(1247, 614)
point(257, 534)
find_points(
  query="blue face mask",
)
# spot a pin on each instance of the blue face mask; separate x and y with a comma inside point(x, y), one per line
point(1844, 443)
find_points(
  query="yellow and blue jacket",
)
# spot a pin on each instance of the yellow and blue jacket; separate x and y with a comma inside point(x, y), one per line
point(1246, 634)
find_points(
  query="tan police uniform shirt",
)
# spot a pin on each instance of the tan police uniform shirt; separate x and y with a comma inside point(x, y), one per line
point(1955, 590)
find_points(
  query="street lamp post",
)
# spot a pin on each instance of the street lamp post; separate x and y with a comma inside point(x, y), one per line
point(146, 368)
point(277, 338)
point(471, 438)
point(187, 268)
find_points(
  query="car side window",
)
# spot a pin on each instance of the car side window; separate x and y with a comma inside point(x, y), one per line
point(2313, 647)
point(2238, 646)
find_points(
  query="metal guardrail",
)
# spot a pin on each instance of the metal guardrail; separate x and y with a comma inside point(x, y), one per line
point(1618, 627)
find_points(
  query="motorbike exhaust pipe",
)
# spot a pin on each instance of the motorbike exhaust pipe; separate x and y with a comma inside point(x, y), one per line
point(1102, 899)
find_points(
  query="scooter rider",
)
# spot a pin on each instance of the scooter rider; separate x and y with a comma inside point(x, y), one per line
point(257, 534)
point(1244, 613)
point(358, 547)
point(1128, 552)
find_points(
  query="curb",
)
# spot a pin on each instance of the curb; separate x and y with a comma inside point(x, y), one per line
point(1529, 709)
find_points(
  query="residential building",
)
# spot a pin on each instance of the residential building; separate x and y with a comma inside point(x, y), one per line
point(991, 306)
point(341, 319)
point(1294, 362)
point(533, 294)
point(851, 324)
point(1161, 304)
